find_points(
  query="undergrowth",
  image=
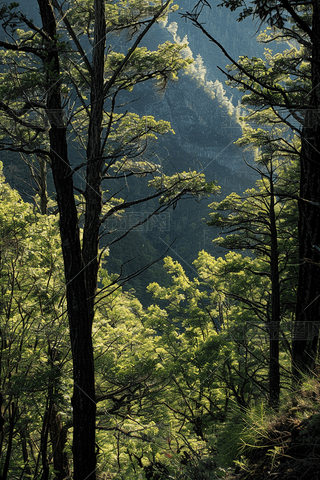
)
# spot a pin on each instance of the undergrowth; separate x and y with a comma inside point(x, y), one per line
point(260, 444)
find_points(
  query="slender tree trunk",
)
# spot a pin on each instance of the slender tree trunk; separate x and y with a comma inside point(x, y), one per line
point(305, 339)
point(58, 436)
point(80, 323)
point(94, 161)
point(24, 447)
point(12, 413)
point(44, 441)
point(274, 368)
point(58, 432)
point(43, 193)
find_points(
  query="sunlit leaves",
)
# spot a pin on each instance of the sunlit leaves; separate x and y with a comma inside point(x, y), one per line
point(181, 183)
point(162, 65)
point(33, 329)
point(121, 16)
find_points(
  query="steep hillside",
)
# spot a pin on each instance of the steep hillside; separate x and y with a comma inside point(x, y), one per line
point(283, 446)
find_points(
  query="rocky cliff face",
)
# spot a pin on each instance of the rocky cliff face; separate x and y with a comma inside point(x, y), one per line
point(203, 112)
point(205, 128)
point(205, 124)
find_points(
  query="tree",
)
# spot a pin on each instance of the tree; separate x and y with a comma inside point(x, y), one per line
point(49, 66)
point(260, 221)
point(292, 92)
point(34, 351)
point(264, 219)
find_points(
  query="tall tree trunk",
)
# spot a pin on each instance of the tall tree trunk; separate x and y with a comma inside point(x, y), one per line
point(305, 339)
point(95, 163)
point(58, 436)
point(58, 432)
point(12, 414)
point(44, 441)
point(80, 323)
point(23, 432)
point(42, 184)
point(274, 367)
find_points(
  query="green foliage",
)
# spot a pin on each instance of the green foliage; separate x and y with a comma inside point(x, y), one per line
point(199, 327)
point(123, 16)
point(264, 220)
point(181, 183)
point(28, 121)
point(34, 345)
point(131, 382)
point(161, 65)
point(258, 439)
point(165, 376)
point(137, 379)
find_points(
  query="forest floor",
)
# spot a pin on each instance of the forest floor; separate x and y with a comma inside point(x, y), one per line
point(288, 448)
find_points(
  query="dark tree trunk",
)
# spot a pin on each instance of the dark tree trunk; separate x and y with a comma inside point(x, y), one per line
point(58, 435)
point(43, 185)
point(24, 447)
point(12, 413)
point(305, 339)
point(95, 163)
point(44, 442)
point(80, 323)
point(274, 368)
point(58, 432)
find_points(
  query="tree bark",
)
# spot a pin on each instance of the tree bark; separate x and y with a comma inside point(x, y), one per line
point(305, 338)
point(274, 367)
point(58, 432)
point(95, 162)
point(58, 436)
point(83, 401)
point(12, 414)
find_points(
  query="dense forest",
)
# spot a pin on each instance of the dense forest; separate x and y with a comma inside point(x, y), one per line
point(160, 240)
